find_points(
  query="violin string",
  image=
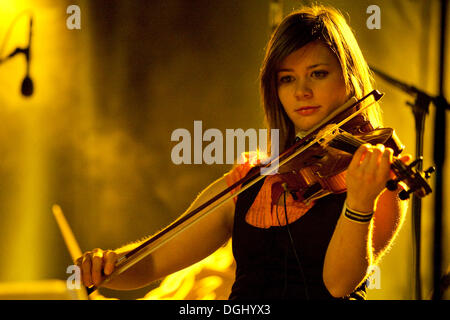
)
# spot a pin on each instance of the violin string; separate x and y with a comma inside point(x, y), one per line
point(343, 140)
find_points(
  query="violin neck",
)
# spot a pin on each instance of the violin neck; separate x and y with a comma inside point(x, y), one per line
point(349, 143)
point(346, 142)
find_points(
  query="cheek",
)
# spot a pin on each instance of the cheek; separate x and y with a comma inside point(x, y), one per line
point(335, 93)
point(283, 96)
point(340, 87)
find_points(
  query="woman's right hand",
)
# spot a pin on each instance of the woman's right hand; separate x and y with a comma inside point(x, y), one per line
point(95, 265)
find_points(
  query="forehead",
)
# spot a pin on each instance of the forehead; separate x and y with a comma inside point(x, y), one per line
point(309, 55)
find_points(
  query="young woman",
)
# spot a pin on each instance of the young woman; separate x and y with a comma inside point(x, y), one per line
point(284, 248)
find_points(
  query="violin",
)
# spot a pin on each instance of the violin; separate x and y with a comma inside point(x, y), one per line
point(321, 169)
point(312, 167)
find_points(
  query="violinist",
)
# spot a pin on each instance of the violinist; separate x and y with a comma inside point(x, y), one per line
point(285, 248)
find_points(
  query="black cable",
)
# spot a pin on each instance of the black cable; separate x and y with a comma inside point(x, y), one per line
point(8, 32)
point(293, 247)
point(286, 251)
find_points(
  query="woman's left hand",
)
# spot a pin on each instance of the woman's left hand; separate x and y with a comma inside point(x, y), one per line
point(367, 175)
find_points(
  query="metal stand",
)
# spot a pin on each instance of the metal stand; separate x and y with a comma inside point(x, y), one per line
point(420, 109)
point(439, 156)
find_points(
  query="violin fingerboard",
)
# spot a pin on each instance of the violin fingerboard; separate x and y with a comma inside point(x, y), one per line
point(346, 142)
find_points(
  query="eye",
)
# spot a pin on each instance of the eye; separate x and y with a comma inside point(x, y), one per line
point(319, 74)
point(286, 79)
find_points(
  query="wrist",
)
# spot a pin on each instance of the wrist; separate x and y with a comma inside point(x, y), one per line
point(362, 217)
point(360, 206)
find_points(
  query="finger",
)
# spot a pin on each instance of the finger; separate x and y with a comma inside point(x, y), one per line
point(358, 156)
point(86, 269)
point(373, 160)
point(386, 161)
point(366, 160)
point(79, 261)
point(110, 261)
point(97, 266)
point(406, 158)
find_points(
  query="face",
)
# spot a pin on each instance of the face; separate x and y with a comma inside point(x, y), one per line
point(310, 85)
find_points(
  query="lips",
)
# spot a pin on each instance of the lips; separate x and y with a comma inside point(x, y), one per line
point(307, 110)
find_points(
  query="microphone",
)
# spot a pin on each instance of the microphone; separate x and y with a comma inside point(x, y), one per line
point(27, 84)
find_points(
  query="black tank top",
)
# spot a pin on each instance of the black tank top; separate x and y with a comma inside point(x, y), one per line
point(266, 266)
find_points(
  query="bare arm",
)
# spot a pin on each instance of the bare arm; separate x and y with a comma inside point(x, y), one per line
point(355, 246)
point(190, 246)
point(389, 216)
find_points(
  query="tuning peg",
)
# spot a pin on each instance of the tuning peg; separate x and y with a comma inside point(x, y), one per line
point(429, 171)
point(392, 184)
point(404, 195)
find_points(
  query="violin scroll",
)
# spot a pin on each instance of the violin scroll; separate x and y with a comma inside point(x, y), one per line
point(413, 177)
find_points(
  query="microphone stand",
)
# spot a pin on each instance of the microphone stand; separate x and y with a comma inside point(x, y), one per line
point(27, 83)
point(420, 109)
point(15, 52)
point(439, 155)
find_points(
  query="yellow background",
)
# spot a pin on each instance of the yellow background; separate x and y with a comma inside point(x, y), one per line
point(95, 136)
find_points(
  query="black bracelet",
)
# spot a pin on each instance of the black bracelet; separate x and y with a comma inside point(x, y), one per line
point(357, 216)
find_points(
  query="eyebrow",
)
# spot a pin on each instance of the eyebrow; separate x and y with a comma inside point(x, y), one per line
point(309, 67)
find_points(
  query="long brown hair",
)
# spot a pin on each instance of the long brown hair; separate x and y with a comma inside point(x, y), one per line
point(295, 31)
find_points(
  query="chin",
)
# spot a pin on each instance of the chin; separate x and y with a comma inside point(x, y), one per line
point(304, 128)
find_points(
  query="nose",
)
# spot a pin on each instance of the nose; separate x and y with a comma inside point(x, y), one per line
point(303, 90)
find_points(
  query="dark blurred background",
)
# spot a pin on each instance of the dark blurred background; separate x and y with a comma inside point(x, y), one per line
point(95, 136)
